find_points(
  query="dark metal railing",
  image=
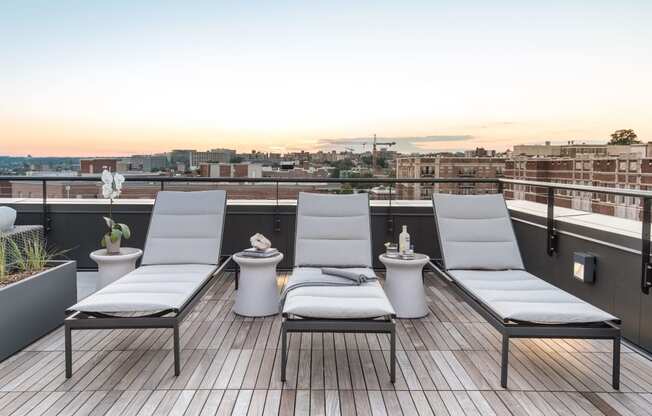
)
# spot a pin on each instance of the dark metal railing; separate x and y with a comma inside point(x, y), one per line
point(500, 183)
point(646, 199)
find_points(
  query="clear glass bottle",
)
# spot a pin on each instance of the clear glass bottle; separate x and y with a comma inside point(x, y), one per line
point(403, 240)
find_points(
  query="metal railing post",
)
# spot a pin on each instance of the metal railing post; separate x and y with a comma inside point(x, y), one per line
point(46, 218)
point(552, 234)
point(277, 217)
point(645, 246)
point(390, 218)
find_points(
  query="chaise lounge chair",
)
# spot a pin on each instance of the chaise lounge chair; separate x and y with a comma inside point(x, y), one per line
point(335, 231)
point(180, 261)
point(480, 257)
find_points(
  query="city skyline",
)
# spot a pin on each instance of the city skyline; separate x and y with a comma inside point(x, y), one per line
point(100, 79)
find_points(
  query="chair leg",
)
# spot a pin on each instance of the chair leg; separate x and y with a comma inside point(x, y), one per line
point(68, 353)
point(504, 361)
point(284, 352)
point(177, 364)
point(392, 355)
point(615, 371)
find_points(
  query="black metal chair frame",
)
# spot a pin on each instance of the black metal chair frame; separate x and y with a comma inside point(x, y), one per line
point(292, 323)
point(383, 325)
point(519, 329)
point(171, 318)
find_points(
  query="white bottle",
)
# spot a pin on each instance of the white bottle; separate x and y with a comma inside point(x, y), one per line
point(403, 240)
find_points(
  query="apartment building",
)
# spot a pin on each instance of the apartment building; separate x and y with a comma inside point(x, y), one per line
point(148, 163)
point(429, 167)
point(95, 166)
point(572, 150)
point(180, 159)
point(213, 155)
point(231, 170)
point(629, 170)
point(298, 172)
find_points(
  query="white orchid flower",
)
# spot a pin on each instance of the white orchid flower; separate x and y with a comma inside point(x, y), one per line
point(112, 184)
point(118, 179)
point(107, 190)
point(107, 178)
point(111, 189)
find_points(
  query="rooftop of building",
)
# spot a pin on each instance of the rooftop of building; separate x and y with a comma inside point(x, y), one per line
point(448, 362)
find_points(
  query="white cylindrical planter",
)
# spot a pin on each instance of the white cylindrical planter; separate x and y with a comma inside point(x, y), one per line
point(111, 267)
point(258, 293)
point(404, 285)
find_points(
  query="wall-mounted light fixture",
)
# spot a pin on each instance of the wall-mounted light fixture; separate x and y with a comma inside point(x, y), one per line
point(584, 267)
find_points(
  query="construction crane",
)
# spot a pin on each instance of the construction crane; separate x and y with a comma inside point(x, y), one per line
point(374, 153)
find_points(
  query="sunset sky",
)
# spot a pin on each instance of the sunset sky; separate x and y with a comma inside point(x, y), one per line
point(120, 77)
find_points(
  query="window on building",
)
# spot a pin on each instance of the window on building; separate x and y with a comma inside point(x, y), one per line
point(633, 166)
point(622, 165)
point(619, 199)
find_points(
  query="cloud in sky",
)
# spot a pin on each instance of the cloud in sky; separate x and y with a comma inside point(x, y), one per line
point(403, 144)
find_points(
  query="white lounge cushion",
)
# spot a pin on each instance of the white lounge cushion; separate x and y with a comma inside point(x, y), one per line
point(475, 232)
point(521, 296)
point(148, 289)
point(340, 302)
point(186, 228)
point(333, 230)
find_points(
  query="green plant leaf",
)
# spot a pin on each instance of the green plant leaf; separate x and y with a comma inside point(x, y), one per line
point(33, 256)
point(126, 232)
point(109, 222)
point(115, 235)
point(103, 241)
point(18, 256)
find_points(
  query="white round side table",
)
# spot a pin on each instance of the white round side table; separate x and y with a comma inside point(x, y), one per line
point(111, 267)
point(404, 285)
point(258, 293)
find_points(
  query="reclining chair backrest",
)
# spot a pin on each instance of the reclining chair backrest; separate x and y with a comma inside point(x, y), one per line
point(475, 232)
point(333, 230)
point(186, 228)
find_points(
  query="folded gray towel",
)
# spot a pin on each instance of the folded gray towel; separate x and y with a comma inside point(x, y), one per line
point(328, 277)
point(359, 278)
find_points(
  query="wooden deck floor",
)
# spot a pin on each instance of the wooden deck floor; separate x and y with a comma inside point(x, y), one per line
point(448, 364)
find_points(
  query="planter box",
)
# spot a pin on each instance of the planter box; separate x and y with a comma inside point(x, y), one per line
point(35, 306)
point(20, 234)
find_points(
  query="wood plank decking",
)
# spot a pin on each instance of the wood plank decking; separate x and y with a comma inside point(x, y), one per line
point(448, 364)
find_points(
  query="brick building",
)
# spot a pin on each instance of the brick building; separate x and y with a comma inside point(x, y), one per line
point(148, 190)
point(429, 167)
point(5, 189)
point(97, 165)
point(573, 150)
point(231, 170)
point(56, 189)
point(312, 172)
point(626, 171)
